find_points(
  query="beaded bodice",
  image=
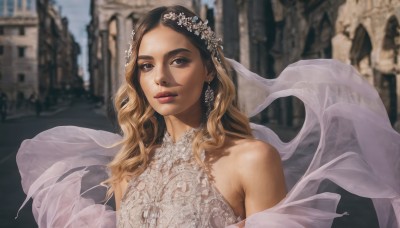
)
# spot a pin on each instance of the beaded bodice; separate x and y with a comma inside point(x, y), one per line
point(174, 191)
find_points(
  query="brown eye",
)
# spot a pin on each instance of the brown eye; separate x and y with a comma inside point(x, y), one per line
point(180, 61)
point(145, 67)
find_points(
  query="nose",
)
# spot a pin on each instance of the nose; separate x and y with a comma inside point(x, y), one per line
point(161, 77)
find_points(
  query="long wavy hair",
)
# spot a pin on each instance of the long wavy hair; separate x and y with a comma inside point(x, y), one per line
point(143, 128)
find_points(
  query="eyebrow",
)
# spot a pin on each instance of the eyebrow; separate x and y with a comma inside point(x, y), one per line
point(167, 55)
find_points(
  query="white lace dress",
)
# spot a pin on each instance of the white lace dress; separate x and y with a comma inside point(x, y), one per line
point(174, 191)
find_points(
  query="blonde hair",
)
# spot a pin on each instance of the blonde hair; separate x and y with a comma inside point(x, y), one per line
point(143, 129)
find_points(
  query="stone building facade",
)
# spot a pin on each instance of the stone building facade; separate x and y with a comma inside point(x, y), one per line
point(109, 33)
point(367, 35)
point(57, 55)
point(38, 54)
point(268, 35)
point(18, 49)
point(69, 71)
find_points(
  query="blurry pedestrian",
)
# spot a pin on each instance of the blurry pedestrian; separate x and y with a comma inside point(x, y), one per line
point(35, 101)
point(20, 99)
point(3, 106)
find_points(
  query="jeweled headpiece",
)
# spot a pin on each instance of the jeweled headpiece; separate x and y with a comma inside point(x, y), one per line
point(199, 28)
point(128, 53)
point(194, 25)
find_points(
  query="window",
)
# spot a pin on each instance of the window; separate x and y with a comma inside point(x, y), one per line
point(21, 52)
point(29, 5)
point(21, 77)
point(2, 8)
point(10, 7)
point(1, 30)
point(1, 50)
point(21, 31)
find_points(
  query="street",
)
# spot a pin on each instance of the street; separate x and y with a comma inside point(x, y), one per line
point(13, 132)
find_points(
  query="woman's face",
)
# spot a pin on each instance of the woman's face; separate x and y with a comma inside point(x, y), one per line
point(171, 72)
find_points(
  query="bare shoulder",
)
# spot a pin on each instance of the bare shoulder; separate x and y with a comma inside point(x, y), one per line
point(253, 157)
point(250, 152)
point(260, 174)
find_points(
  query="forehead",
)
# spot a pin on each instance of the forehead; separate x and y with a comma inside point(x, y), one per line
point(163, 39)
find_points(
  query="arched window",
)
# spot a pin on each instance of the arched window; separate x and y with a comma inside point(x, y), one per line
point(318, 41)
point(361, 47)
point(310, 51)
point(113, 52)
point(131, 20)
point(391, 41)
point(389, 58)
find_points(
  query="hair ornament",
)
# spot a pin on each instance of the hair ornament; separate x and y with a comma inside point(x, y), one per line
point(128, 53)
point(199, 28)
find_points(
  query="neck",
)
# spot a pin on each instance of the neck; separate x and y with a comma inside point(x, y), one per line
point(177, 125)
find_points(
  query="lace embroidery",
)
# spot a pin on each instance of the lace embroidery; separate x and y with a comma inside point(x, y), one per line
point(174, 191)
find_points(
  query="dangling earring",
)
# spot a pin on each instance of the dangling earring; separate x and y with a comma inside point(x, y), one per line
point(209, 99)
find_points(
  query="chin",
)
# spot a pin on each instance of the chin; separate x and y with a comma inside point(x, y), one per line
point(174, 109)
point(167, 112)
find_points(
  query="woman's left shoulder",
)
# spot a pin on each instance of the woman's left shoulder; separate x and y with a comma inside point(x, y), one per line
point(253, 151)
point(259, 171)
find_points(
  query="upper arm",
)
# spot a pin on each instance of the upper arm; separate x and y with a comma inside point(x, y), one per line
point(261, 177)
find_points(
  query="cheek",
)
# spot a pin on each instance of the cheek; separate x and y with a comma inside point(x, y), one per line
point(194, 93)
point(193, 88)
point(194, 80)
point(145, 86)
point(197, 88)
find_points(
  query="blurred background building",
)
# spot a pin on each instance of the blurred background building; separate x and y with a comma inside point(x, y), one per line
point(268, 35)
point(38, 54)
point(18, 49)
point(57, 56)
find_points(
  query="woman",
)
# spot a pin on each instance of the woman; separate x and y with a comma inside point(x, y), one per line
point(188, 158)
point(163, 100)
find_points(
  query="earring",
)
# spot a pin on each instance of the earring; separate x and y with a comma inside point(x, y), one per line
point(209, 99)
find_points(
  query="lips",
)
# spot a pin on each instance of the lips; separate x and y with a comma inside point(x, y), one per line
point(165, 97)
point(164, 94)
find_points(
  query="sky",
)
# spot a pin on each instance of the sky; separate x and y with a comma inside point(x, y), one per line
point(77, 12)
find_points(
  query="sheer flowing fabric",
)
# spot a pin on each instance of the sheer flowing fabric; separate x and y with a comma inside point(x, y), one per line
point(346, 139)
point(62, 170)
